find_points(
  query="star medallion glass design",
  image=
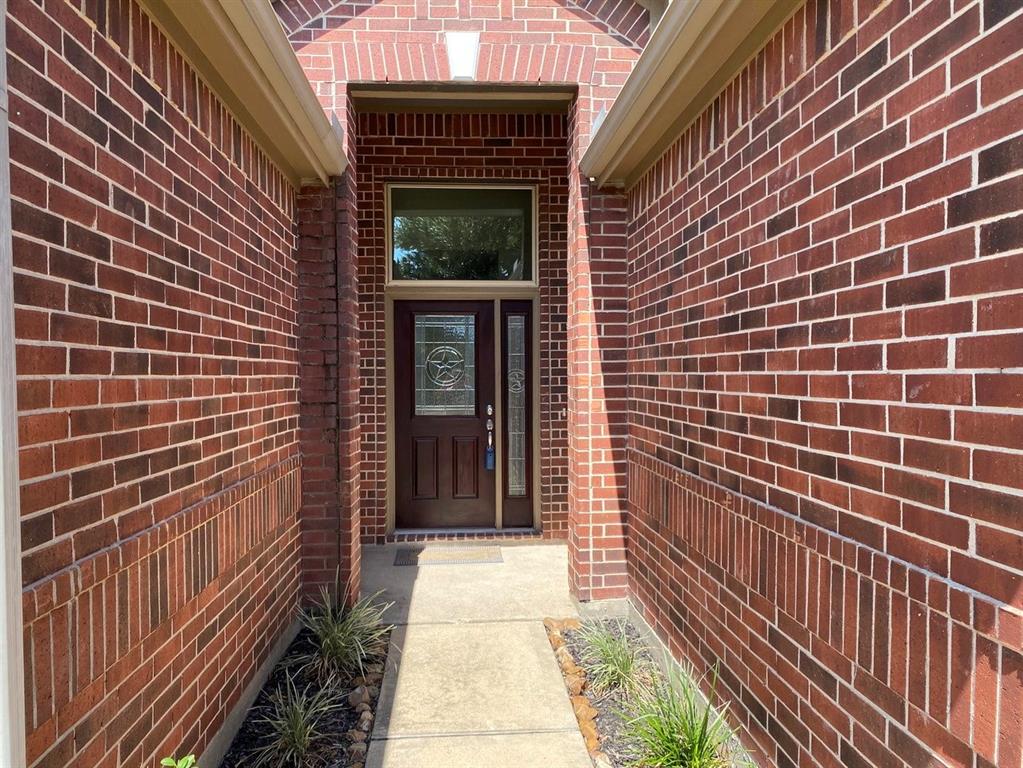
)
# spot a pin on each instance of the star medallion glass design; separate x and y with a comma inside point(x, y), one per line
point(445, 366)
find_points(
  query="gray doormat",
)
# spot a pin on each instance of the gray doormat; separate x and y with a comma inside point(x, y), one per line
point(447, 555)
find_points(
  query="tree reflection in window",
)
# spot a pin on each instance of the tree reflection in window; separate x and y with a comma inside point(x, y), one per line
point(461, 234)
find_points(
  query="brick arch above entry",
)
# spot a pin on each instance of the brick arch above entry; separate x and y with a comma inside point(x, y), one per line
point(592, 44)
point(626, 21)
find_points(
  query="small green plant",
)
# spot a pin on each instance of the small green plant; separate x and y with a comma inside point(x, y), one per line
point(345, 638)
point(292, 721)
point(612, 661)
point(183, 762)
point(670, 725)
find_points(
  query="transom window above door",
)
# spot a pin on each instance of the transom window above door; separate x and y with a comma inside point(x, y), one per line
point(461, 233)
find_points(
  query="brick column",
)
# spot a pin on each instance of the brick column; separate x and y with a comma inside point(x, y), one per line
point(349, 384)
point(329, 384)
point(597, 424)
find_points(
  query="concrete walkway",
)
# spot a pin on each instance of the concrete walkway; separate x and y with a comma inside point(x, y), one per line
point(471, 679)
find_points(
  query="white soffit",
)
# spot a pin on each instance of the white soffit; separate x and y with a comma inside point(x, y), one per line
point(241, 51)
point(696, 49)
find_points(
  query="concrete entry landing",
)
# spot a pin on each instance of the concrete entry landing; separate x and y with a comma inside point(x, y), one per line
point(470, 678)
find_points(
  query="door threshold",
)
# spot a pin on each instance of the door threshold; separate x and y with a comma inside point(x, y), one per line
point(416, 535)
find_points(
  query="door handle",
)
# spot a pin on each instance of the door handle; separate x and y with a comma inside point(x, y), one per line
point(489, 456)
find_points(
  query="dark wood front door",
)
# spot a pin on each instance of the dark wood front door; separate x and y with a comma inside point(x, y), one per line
point(443, 385)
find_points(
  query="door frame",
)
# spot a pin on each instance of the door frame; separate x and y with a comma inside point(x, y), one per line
point(467, 292)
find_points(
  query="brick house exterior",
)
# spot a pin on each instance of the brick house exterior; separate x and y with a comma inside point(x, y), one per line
point(156, 315)
point(781, 368)
point(467, 147)
point(825, 437)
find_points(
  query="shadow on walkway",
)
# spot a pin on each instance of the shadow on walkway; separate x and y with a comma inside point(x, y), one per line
point(471, 679)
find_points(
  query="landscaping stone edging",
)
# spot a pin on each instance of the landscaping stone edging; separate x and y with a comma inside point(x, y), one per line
point(361, 696)
point(575, 683)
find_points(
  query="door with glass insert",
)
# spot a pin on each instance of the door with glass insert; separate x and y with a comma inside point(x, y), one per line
point(444, 403)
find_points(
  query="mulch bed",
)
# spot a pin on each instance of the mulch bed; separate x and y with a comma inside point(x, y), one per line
point(600, 717)
point(346, 731)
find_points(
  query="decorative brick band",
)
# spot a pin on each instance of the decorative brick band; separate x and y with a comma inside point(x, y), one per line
point(408, 537)
point(822, 643)
point(144, 648)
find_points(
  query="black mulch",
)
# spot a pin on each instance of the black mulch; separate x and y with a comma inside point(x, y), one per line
point(610, 707)
point(251, 735)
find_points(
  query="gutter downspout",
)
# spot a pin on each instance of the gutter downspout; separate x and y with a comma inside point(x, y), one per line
point(12, 670)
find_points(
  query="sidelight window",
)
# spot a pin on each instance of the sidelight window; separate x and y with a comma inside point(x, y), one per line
point(516, 366)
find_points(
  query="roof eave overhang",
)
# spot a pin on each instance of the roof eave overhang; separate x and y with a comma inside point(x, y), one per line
point(240, 49)
point(696, 49)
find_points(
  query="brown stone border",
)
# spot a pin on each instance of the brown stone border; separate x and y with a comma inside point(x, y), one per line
point(349, 743)
point(364, 698)
point(576, 683)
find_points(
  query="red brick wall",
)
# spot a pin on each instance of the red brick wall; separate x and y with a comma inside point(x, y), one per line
point(826, 462)
point(349, 381)
point(155, 296)
point(593, 43)
point(525, 148)
point(597, 403)
point(329, 384)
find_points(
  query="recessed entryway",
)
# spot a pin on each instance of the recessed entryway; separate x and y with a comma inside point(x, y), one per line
point(462, 286)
